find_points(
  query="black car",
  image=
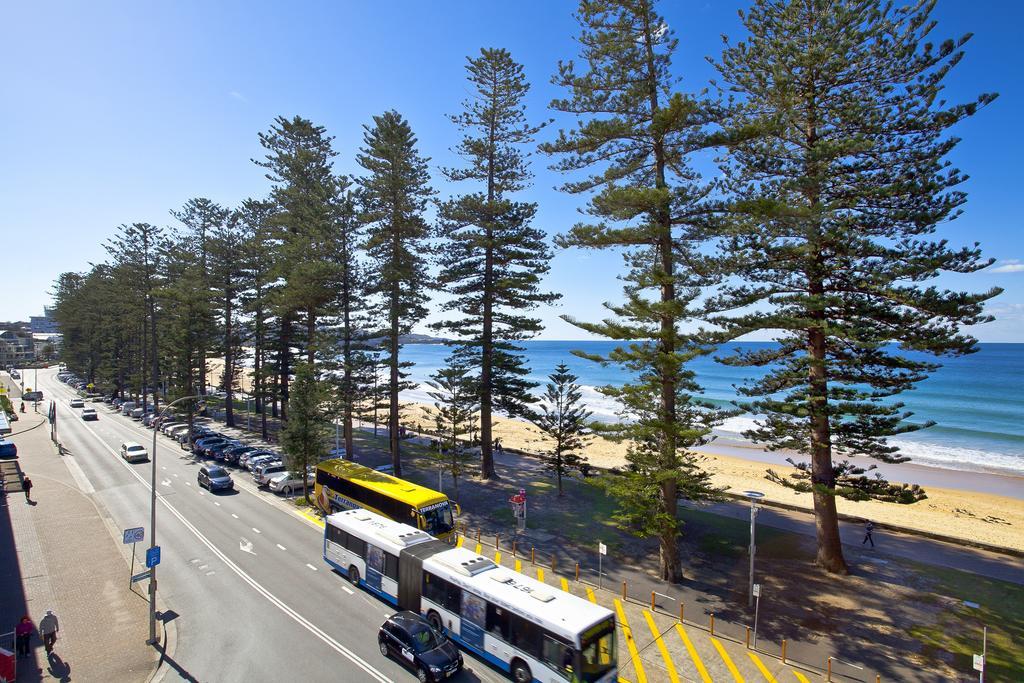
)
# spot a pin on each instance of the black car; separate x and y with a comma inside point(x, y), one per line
point(217, 451)
point(413, 641)
point(232, 454)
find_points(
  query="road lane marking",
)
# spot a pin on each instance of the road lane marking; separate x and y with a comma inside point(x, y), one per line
point(693, 654)
point(728, 661)
point(210, 573)
point(347, 589)
point(245, 545)
point(216, 503)
point(672, 675)
point(764, 670)
point(281, 547)
point(634, 654)
point(591, 596)
point(257, 530)
point(163, 467)
point(255, 585)
point(311, 566)
point(187, 483)
point(234, 515)
point(202, 567)
point(800, 677)
point(175, 474)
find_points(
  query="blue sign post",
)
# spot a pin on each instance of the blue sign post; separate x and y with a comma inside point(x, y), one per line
point(153, 556)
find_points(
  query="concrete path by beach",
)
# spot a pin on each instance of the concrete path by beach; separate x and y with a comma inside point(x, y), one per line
point(59, 553)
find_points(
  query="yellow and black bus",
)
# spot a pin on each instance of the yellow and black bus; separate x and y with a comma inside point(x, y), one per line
point(344, 485)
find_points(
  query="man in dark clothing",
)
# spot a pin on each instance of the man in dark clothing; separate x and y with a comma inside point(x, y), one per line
point(26, 486)
point(868, 528)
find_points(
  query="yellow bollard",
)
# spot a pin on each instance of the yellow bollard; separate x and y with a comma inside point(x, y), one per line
point(712, 623)
point(477, 535)
point(748, 637)
point(878, 678)
point(783, 650)
point(577, 571)
point(828, 668)
point(652, 601)
point(623, 590)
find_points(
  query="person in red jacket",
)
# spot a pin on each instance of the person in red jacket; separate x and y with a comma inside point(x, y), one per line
point(23, 634)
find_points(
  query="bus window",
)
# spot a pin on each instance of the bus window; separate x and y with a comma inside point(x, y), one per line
point(437, 519)
point(497, 621)
point(556, 654)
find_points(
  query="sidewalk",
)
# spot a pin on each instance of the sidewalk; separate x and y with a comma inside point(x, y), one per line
point(60, 554)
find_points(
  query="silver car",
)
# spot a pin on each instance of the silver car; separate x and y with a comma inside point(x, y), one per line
point(262, 474)
point(287, 483)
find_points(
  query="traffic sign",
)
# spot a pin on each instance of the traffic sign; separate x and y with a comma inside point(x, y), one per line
point(757, 590)
point(134, 535)
point(141, 576)
point(602, 548)
point(153, 556)
point(979, 662)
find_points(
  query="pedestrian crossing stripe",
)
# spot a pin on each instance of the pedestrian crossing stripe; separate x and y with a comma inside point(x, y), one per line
point(764, 670)
point(634, 654)
point(669, 666)
point(800, 677)
point(591, 596)
point(728, 661)
point(565, 585)
point(497, 557)
point(693, 654)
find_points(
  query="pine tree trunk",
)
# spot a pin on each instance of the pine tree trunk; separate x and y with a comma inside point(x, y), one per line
point(348, 398)
point(229, 365)
point(286, 334)
point(671, 568)
point(396, 459)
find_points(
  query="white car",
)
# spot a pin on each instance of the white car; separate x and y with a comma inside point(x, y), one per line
point(77, 403)
point(133, 452)
point(287, 483)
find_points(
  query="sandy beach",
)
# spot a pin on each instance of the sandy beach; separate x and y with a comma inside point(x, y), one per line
point(976, 506)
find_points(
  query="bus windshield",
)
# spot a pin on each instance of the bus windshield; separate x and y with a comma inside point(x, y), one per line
point(438, 519)
point(597, 656)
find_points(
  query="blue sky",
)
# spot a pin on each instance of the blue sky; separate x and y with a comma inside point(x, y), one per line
point(119, 112)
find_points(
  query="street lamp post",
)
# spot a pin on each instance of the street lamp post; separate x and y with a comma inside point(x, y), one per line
point(754, 496)
point(152, 523)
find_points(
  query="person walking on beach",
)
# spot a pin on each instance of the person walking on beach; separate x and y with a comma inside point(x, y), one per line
point(868, 529)
point(23, 634)
point(26, 486)
point(48, 629)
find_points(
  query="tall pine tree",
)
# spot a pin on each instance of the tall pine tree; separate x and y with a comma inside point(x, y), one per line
point(563, 418)
point(394, 194)
point(635, 136)
point(492, 258)
point(837, 195)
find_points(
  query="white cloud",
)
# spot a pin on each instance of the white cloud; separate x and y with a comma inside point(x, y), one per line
point(234, 94)
point(1011, 265)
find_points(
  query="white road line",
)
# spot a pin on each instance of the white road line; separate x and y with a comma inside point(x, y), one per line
point(175, 474)
point(281, 547)
point(202, 567)
point(210, 573)
point(257, 530)
point(270, 597)
point(347, 589)
point(234, 515)
point(216, 503)
point(78, 475)
point(187, 483)
point(163, 467)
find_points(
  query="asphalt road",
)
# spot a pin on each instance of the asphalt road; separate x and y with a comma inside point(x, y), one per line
point(243, 572)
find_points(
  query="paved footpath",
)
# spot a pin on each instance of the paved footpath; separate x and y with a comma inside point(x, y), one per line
point(63, 554)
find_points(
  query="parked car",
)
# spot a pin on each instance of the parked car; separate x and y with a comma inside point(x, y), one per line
point(77, 403)
point(127, 407)
point(168, 425)
point(263, 472)
point(411, 640)
point(205, 445)
point(287, 483)
point(217, 450)
point(252, 463)
point(231, 455)
point(8, 449)
point(214, 478)
point(32, 396)
point(200, 432)
point(243, 460)
point(90, 414)
point(137, 413)
point(133, 452)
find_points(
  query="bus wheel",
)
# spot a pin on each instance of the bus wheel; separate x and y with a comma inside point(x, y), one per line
point(353, 575)
point(521, 672)
point(435, 620)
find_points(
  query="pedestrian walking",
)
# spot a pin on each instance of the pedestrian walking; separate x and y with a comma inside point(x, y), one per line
point(23, 634)
point(868, 529)
point(48, 629)
point(26, 485)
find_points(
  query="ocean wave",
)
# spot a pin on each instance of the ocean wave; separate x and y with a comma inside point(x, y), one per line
point(959, 457)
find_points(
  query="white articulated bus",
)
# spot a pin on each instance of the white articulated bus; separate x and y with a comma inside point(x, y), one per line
point(528, 629)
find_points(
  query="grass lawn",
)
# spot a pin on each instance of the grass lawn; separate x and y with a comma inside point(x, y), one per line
point(959, 628)
point(726, 537)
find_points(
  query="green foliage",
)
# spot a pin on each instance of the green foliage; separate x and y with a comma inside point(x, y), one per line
point(456, 401)
point(394, 195)
point(563, 418)
point(634, 137)
point(304, 437)
point(492, 259)
point(851, 482)
point(838, 177)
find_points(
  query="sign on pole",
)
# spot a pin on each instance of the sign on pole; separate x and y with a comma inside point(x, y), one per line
point(153, 556)
point(757, 590)
point(141, 576)
point(134, 535)
point(602, 548)
point(979, 662)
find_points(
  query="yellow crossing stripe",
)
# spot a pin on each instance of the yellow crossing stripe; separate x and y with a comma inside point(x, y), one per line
point(540, 574)
point(764, 670)
point(479, 549)
point(634, 654)
point(497, 557)
point(458, 543)
point(591, 596)
point(565, 585)
point(661, 647)
point(519, 565)
point(693, 654)
point(800, 677)
point(728, 661)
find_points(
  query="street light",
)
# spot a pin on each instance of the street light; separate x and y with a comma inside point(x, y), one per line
point(754, 496)
point(152, 523)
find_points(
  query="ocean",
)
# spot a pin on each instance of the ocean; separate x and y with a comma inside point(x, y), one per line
point(977, 401)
